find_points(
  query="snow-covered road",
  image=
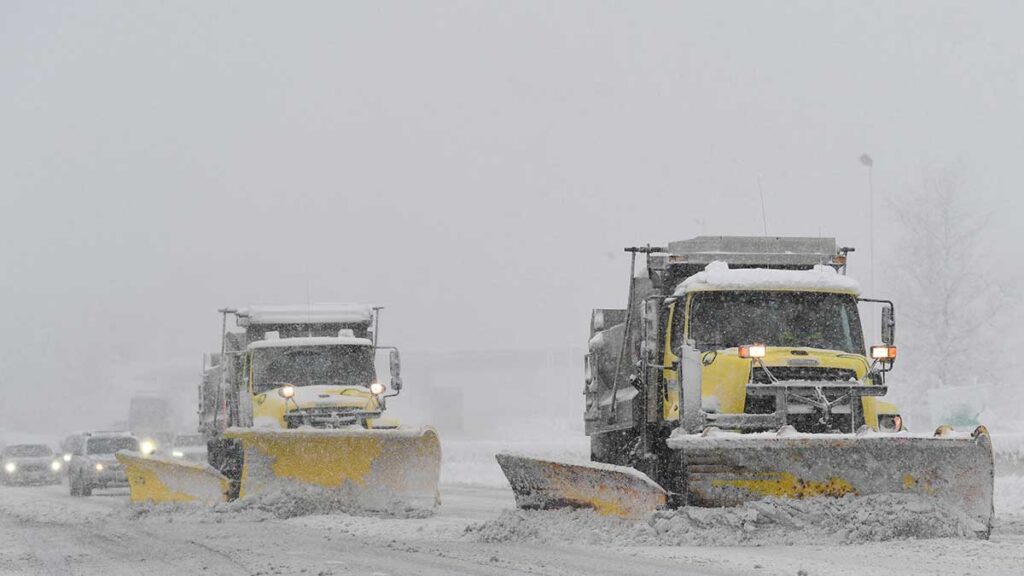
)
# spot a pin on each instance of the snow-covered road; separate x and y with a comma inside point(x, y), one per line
point(45, 531)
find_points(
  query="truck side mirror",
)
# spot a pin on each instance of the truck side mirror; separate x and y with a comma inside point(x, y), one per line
point(396, 371)
point(888, 325)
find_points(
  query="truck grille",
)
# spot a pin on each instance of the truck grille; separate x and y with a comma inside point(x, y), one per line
point(804, 373)
point(327, 417)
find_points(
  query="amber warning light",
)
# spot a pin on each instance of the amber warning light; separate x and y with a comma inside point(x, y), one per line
point(883, 352)
point(752, 351)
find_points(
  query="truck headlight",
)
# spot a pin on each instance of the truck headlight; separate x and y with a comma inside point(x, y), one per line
point(147, 447)
point(99, 467)
point(890, 422)
point(55, 465)
point(67, 457)
point(286, 391)
point(11, 467)
point(178, 454)
point(377, 388)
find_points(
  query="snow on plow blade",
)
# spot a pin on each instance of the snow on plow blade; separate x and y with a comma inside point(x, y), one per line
point(393, 471)
point(727, 469)
point(610, 490)
point(160, 480)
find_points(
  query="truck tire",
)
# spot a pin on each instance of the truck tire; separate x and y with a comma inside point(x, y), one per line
point(85, 488)
point(74, 483)
point(226, 456)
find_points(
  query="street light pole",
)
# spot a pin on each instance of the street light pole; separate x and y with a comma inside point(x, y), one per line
point(867, 161)
point(870, 164)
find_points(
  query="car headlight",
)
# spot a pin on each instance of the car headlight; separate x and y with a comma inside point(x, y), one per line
point(55, 465)
point(377, 388)
point(147, 447)
point(11, 467)
point(67, 457)
point(178, 454)
point(286, 391)
point(99, 467)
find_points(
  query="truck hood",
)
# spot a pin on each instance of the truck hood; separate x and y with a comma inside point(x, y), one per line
point(269, 408)
point(803, 357)
point(330, 396)
point(725, 374)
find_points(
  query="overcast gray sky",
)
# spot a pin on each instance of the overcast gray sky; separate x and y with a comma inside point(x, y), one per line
point(476, 167)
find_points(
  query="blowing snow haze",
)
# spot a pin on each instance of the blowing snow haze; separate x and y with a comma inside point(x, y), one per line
point(476, 168)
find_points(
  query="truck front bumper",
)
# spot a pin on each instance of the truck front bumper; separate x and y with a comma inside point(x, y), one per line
point(109, 478)
point(46, 476)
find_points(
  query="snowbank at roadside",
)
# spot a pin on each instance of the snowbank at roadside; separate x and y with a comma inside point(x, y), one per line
point(848, 520)
point(1009, 496)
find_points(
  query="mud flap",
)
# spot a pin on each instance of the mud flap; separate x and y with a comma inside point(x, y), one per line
point(727, 469)
point(610, 490)
point(351, 469)
point(161, 480)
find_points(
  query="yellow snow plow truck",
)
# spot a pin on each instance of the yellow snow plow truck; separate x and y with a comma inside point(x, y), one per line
point(738, 371)
point(292, 408)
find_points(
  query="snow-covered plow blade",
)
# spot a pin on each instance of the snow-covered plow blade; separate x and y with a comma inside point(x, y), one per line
point(610, 490)
point(727, 469)
point(161, 480)
point(391, 471)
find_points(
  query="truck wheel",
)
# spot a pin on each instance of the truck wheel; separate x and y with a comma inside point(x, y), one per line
point(85, 488)
point(226, 456)
point(73, 486)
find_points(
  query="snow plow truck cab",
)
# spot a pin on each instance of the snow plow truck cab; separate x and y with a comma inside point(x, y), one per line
point(739, 371)
point(292, 404)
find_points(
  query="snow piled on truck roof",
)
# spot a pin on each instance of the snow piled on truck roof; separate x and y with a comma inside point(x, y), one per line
point(310, 341)
point(718, 276)
point(308, 314)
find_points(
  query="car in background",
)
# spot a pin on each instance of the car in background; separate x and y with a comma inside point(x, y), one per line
point(190, 447)
point(69, 445)
point(93, 464)
point(30, 464)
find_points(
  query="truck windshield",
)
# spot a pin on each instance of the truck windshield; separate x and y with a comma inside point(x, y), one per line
point(776, 318)
point(111, 445)
point(343, 365)
point(28, 451)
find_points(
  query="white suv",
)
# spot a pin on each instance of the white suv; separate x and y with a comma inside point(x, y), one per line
point(93, 464)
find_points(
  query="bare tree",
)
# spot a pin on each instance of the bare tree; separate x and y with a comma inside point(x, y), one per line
point(953, 306)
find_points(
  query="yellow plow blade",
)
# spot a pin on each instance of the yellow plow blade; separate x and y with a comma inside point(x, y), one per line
point(160, 480)
point(610, 490)
point(348, 469)
point(727, 469)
